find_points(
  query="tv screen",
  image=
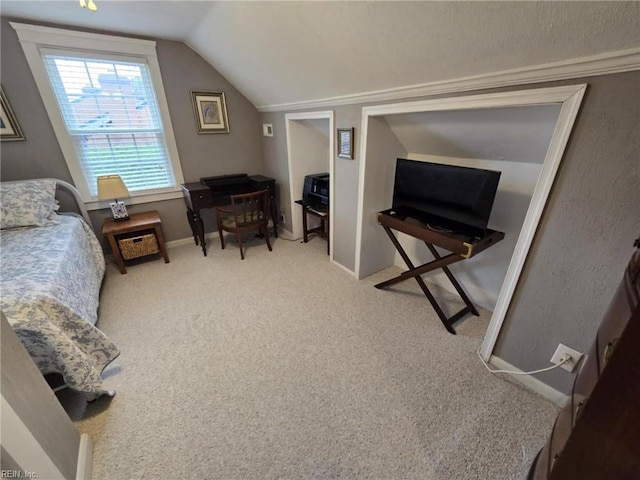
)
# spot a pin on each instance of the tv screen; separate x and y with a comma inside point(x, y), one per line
point(449, 197)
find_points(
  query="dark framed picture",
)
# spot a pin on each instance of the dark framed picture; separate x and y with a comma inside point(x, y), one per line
point(345, 142)
point(9, 128)
point(210, 109)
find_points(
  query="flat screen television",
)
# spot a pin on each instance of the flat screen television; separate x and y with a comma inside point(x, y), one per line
point(446, 197)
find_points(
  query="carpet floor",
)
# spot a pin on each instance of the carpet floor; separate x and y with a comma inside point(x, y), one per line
point(283, 366)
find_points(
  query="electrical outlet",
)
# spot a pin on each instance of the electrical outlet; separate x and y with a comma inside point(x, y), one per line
point(283, 219)
point(563, 350)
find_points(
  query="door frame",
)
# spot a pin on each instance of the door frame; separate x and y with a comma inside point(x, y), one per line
point(296, 220)
point(570, 98)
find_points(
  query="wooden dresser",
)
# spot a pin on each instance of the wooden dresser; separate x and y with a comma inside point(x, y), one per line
point(597, 434)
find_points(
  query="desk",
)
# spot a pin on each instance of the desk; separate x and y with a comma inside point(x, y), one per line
point(213, 192)
point(322, 214)
point(460, 246)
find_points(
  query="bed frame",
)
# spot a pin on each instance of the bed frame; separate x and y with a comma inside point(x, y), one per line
point(62, 186)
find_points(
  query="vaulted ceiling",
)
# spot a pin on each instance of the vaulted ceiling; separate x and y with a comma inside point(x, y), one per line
point(278, 53)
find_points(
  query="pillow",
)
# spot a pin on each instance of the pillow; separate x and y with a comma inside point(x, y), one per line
point(30, 203)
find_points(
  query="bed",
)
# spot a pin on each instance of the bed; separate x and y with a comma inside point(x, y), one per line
point(51, 271)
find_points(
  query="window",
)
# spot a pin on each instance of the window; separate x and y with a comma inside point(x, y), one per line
point(108, 109)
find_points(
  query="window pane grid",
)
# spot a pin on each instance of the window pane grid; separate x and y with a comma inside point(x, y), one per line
point(111, 113)
point(137, 158)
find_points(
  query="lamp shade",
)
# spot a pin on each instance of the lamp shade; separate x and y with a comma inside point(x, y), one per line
point(111, 187)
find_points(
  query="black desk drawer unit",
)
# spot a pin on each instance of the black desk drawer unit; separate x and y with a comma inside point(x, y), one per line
point(213, 192)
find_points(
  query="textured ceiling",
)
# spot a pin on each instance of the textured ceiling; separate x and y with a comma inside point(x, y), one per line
point(283, 52)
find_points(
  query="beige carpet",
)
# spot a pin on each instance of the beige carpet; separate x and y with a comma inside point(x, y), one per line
point(283, 366)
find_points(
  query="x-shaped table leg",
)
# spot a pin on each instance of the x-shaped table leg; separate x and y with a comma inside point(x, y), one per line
point(416, 272)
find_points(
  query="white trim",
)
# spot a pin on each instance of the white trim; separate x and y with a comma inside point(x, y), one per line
point(33, 37)
point(364, 132)
point(23, 447)
point(532, 383)
point(564, 125)
point(569, 96)
point(345, 269)
point(285, 234)
point(208, 238)
point(136, 200)
point(213, 237)
point(601, 64)
point(60, 37)
point(84, 468)
point(296, 226)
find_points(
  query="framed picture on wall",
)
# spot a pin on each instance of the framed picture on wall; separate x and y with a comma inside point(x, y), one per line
point(345, 143)
point(210, 110)
point(9, 128)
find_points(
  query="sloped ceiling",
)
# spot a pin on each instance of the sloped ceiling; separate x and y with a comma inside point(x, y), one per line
point(283, 52)
point(514, 134)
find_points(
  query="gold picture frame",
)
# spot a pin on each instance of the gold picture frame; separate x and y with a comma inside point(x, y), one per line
point(345, 142)
point(9, 127)
point(210, 109)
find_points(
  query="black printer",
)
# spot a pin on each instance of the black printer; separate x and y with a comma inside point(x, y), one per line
point(316, 191)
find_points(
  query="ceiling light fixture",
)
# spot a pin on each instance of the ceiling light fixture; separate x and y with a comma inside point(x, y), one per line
point(90, 5)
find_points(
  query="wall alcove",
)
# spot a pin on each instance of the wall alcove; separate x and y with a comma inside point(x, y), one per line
point(542, 119)
point(310, 147)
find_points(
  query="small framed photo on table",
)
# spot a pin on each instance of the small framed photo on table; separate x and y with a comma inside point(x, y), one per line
point(9, 128)
point(345, 143)
point(210, 110)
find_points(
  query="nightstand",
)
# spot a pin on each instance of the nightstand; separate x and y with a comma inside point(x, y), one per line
point(137, 237)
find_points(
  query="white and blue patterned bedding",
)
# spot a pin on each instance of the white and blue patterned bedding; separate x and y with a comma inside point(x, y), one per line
point(50, 280)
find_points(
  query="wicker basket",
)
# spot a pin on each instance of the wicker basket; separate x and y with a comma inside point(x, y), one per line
point(139, 246)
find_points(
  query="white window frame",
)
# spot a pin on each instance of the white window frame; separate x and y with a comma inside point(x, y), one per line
point(33, 37)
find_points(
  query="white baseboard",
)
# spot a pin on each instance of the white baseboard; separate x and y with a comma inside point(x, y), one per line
point(339, 265)
point(208, 238)
point(85, 458)
point(530, 382)
point(286, 234)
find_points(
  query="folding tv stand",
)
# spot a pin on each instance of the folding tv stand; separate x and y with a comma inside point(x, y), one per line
point(460, 246)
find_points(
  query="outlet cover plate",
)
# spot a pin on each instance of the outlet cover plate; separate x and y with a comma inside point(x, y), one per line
point(575, 357)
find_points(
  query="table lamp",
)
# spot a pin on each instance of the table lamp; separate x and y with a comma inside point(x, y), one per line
point(112, 187)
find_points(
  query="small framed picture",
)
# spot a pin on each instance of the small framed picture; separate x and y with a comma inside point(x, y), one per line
point(210, 110)
point(345, 142)
point(9, 128)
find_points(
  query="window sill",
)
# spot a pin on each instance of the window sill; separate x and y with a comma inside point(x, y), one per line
point(138, 199)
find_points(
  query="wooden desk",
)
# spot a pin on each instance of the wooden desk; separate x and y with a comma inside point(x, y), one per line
point(215, 193)
point(137, 223)
point(322, 230)
point(460, 246)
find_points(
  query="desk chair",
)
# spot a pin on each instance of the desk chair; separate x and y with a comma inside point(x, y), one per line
point(248, 212)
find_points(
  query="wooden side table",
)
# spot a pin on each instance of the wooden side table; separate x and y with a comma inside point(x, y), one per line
point(137, 223)
point(461, 247)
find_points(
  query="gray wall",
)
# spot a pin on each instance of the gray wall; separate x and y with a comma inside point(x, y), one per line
point(346, 177)
point(585, 235)
point(201, 155)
